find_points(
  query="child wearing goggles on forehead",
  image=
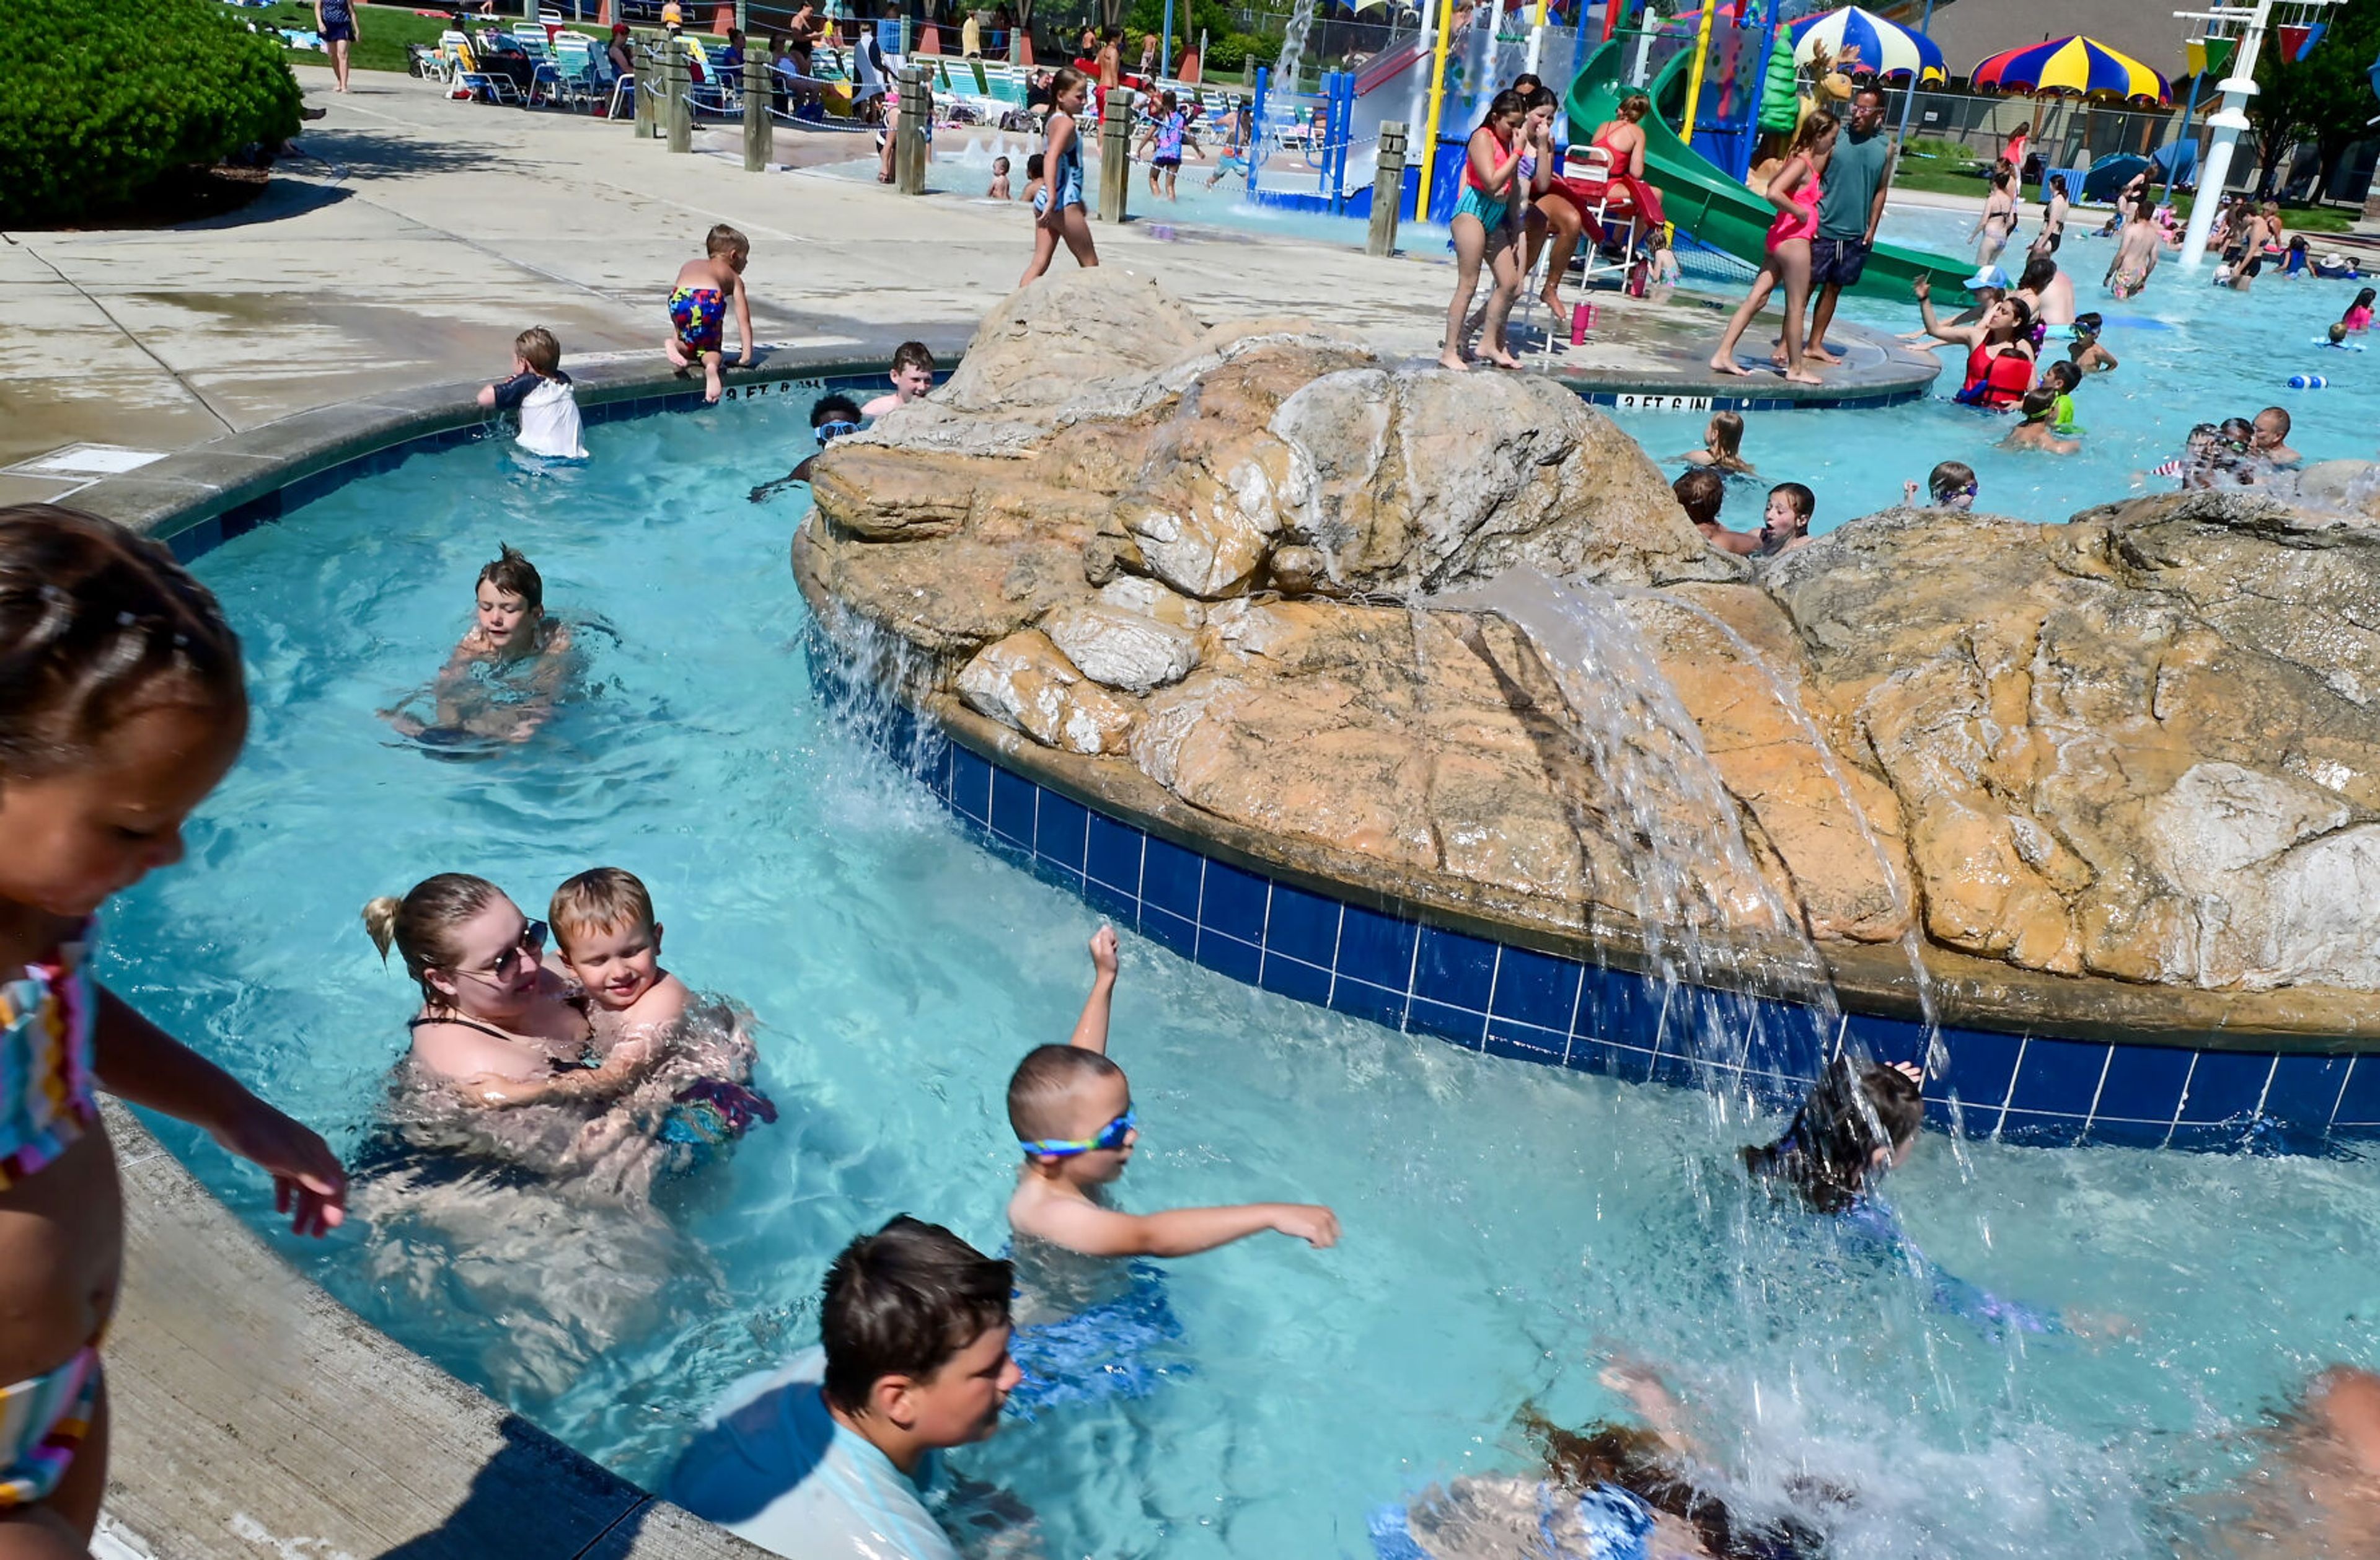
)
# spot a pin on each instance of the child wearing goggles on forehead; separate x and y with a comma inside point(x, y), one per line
point(834, 417)
point(1070, 1109)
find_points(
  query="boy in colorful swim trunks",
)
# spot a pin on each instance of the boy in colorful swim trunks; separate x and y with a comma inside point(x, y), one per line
point(697, 307)
point(2136, 256)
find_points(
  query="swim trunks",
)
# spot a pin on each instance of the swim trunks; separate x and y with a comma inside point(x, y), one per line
point(700, 316)
point(1100, 1352)
point(46, 1061)
point(46, 1417)
point(1836, 262)
point(2127, 280)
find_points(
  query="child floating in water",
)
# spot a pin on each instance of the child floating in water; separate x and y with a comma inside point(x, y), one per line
point(697, 308)
point(1722, 446)
point(1857, 1125)
point(506, 674)
point(1785, 524)
point(1951, 485)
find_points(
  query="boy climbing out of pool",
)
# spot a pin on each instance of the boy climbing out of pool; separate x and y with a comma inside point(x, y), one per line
point(697, 308)
point(540, 392)
point(831, 1457)
point(1070, 1109)
point(913, 375)
point(122, 706)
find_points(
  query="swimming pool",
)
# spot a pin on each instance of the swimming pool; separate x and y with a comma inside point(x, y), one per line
point(1506, 1223)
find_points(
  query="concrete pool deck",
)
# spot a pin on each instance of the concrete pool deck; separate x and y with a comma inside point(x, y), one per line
point(420, 233)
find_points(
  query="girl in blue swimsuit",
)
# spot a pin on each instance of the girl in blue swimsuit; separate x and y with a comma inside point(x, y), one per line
point(1484, 229)
point(1058, 212)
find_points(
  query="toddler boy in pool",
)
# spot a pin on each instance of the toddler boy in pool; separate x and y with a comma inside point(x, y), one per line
point(1070, 1109)
point(697, 307)
point(604, 930)
point(540, 392)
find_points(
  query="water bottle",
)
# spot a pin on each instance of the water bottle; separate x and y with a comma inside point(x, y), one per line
point(1582, 320)
point(2308, 381)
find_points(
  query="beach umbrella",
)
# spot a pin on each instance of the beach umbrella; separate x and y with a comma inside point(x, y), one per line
point(2072, 67)
point(1863, 43)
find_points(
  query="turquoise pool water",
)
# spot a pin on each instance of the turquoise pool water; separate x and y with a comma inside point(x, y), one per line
point(1507, 1224)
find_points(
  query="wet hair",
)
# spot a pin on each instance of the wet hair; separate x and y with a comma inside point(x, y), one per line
point(2337, 332)
point(1700, 491)
point(913, 355)
point(1640, 1462)
point(2039, 405)
point(1813, 129)
point(2089, 324)
point(97, 623)
point(999, 164)
point(598, 900)
point(1805, 502)
point(1045, 1081)
point(421, 925)
point(1850, 1112)
point(723, 242)
point(2023, 311)
point(2206, 431)
point(2363, 299)
point(1504, 103)
point(516, 576)
point(1948, 478)
point(901, 1302)
point(1529, 82)
point(2039, 272)
point(2057, 182)
point(1728, 443)
point(2239, 431)
point(2061, 376)
point(1066, 81)
point(2281, 412)
point(537, 347)
point(1635, 106)
point(1033, 167)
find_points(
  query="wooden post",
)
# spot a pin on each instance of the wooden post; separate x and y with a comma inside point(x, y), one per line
point(760, 130)
point(680, 113)
point(1388, 191)
point(909, 143)
point(648, 89)
point(1115, 153)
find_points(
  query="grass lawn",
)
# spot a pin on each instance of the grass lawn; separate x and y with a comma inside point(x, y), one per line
point(383, 31)
point(1945, 176)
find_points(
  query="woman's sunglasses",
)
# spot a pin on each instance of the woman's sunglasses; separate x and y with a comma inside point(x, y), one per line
point(533, 943)
point(1106, 1139)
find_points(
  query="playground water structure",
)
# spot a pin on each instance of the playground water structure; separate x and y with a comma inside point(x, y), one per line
point(1508, 1223)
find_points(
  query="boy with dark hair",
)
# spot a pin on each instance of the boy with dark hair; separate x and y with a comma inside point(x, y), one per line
point(913, 375)
point(697, 307)
point(1785, 524)
point(540, 392)
point(1700, 491)
point(1951, 485)
point(834, 417)
point(1070, 1109)
point(830, 1457)
point(2039, 429)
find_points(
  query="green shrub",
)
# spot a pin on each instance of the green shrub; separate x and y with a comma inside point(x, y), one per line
point(103, 97)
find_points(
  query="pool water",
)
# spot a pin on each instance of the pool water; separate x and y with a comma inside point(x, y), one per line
point(1507, 1225)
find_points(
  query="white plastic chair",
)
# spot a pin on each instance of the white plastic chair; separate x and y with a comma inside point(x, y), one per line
point(1590, 168)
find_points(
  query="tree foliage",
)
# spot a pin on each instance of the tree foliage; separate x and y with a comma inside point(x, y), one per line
point(104, 96)
point(2323, 98)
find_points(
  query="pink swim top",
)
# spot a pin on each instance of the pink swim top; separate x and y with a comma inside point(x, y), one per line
point(2358, 320)
point(1791, 222)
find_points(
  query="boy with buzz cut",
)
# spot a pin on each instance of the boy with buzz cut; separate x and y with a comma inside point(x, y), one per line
point(1070, 1109)
point(540, 392)
point(697, 308)
point(832, 1457)
point(913, 375)
point(604, 930)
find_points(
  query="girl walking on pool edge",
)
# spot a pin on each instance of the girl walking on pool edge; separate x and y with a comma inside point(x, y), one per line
point(1058, 211)
point(1794, 189)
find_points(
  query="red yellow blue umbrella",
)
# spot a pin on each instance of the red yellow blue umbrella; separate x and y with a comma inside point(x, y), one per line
point(2072, 67)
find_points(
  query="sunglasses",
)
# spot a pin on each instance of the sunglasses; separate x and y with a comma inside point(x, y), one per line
point(828, 431)
point(533, 943)
point(1107, 1140)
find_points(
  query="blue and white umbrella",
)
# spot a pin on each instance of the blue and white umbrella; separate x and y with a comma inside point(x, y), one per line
point(1863, 43)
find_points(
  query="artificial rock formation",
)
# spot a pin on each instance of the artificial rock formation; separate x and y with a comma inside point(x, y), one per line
point(1230, 576)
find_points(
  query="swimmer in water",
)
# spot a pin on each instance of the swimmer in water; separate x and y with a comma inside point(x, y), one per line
point(2316, 1495)
point(512, 642)
point(604, 930)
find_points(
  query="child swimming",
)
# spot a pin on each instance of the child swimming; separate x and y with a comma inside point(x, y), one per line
point(122, 706)
point(506, 673)
point(1070, 1109)
point(2082, 348)
point(1785, 523)
point(2039, 429)
point(1951, 485)
point(1722, 446)
point(1700, 491)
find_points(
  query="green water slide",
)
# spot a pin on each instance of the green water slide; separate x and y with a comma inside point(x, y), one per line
point(1702, 200)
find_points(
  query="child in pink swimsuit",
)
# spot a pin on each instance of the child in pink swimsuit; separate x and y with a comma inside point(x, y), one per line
point(1793, 189)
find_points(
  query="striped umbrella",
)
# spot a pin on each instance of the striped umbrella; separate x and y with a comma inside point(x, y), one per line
point(2079, 67)
point(1863, 43)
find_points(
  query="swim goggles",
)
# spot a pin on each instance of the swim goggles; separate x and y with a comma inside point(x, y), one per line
point(827, 432)
point(1107, 1140)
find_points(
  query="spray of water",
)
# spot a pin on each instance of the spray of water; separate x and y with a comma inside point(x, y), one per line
point(1292, 62)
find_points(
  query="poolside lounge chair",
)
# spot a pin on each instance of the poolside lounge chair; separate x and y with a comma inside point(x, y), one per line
point(579, 81)
point(467, 79)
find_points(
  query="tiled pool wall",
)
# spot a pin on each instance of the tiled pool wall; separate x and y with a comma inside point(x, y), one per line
point(1495, 997)
point(1509, 1000)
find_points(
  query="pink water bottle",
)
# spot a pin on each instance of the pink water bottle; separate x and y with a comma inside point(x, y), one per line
point(1582, 320)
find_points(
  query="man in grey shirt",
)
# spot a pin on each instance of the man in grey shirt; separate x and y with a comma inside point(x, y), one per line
point(1857, 178)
